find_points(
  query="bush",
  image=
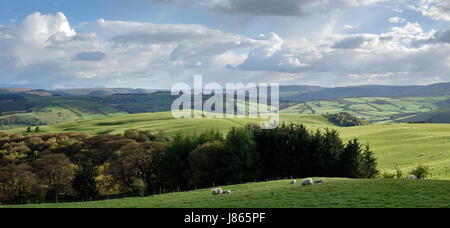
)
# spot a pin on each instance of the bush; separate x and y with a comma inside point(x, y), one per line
point(421, 172)
point(389, 175)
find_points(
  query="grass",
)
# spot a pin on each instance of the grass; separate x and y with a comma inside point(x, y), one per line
point(163, 121)
point(336, 193)
point(402, 144)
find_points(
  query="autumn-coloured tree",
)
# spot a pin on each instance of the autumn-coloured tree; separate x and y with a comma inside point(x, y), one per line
point(57, 173)
point(17, 183)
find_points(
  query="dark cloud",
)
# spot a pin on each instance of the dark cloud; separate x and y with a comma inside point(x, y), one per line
point(90, 56)
point(351, 42)
point(438, 37)
point(261, 7)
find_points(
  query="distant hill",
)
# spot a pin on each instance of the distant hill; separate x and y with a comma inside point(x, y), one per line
point(100, 91)
point(302, 93)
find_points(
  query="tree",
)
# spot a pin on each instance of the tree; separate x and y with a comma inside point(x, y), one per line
point(137, 164)
point(57, 172)
point(17, 183)
point(368, 163)
point(240, 161)
point(203, 163)
point(350, 159)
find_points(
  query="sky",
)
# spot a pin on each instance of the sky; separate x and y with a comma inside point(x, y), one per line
point(155, 44)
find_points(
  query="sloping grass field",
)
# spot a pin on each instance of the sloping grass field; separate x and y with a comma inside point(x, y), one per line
point(335, 193)
point(164, 121)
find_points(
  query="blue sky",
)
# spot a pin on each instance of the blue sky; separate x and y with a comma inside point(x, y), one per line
point(156, 43)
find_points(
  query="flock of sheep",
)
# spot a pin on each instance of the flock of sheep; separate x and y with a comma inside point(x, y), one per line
point(219, 191)
point(305, 182)
point(308, 181)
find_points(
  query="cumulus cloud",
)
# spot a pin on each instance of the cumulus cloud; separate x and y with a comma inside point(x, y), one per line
point(353, 41)
point(48, 46)
point(438, 37)
point(281, 7)
point(260, 7)
point(396, 20)
point(436, 9)
point(46, 49)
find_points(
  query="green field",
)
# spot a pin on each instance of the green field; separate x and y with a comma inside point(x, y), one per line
point(373, 109)
point(394, 144)
point(163, 121)
point(335, 193)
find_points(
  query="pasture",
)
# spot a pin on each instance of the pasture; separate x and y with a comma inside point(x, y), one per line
point(335, 193)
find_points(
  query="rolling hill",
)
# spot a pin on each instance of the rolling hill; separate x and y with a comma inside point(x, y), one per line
point(21, 107)
point(395, 145)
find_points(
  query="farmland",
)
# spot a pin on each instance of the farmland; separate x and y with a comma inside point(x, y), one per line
point(373, 109)
point(336, 193)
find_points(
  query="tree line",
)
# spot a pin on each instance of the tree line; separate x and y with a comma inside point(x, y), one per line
point(77, 166)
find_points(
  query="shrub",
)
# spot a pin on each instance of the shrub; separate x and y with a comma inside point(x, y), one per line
point(388, 175)
point(421, 172)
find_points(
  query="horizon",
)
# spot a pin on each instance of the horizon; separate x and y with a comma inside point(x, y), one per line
point(168, 89)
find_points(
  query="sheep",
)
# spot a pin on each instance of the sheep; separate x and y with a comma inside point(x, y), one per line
point(227, 192)
point(293, 181)
point(412, 177)
point(307, 181)
point(421, 155)
point(319, 181)
point(217, 191)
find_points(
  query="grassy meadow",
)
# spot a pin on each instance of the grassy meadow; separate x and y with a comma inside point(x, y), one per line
point(335, 193)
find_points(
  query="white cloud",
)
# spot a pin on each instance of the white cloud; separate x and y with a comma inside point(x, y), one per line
point(46, 49)
point(436, 9)
point(351, 27)
point(396, 20)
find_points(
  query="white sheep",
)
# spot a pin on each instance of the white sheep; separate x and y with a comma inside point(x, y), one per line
point(293, 181)
point(227, 192)
point(307, 181)
point(319, 181)
point(412, 177)
point(217, 191)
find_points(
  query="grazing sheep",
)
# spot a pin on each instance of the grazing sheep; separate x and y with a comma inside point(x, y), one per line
point(217, 191)
point(307, 181)
point(421, 155)
point(412, 177)
point(293, 181)
point(227, 192)
point(319, 181)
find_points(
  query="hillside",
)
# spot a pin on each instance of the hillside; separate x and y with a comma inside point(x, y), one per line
point(163, 121)
point(394, 144)
point(374, 109)
point(20, 111)
point(367, 91)
point(21, 107)
point(335, 193)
